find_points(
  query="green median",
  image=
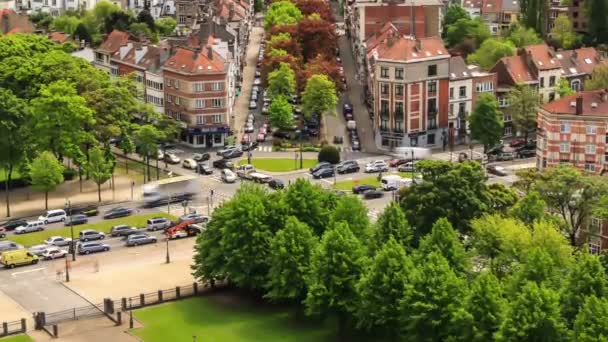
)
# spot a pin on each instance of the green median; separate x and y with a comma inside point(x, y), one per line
point(279, 164)
point(31, 239)
point(17, 338)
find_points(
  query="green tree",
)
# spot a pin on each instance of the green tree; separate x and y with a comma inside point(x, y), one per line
point(127, 146)
point(147, 138)
point(330, 154)
point(145, 17)
point(522, 37)
point(563, 88)
point(82, 33)
point(258, 6)
point(453, 14)
point(142, 30)
point(118, 21)
point(392, 223)
point(382, 286)
point(526, 179)
point(534, 14)
point(486, 122)
point(563, 33)
point(597, 25)
point(98, 168)
point(46, 173)
point(523, 105)
point(282, 81)
point(290, 252)
point(350, 209)
point(590, 324)
point(209, 257)
point(533, 315)
point(599, 77)
point(166, 25)
point(280, 113)
point(114, 106)
point(310, 203)
point(467, 28)
point(42, 19)
point(502, 198)
point(530, 208)
point(281, 13)
point(319, 95)
point(490, 51)
point(444, 240)
point(65, 23)
point(335, 268)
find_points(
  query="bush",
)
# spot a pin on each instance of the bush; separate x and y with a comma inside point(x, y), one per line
point(329, 154)
point(277, 142)
point(69, 174)
point(310, 149)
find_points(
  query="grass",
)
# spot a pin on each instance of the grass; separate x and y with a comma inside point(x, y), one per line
point(213, 318)
point(31, 239)
point(137, 169)
point(278, 164)
point(17, 338)
point(372, 180)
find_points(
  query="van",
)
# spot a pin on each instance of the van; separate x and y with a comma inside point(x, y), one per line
point(9, 246)
point(33, 226)
point(18, 257)
point(157, 223)
point(394, 182)
point(51, 216)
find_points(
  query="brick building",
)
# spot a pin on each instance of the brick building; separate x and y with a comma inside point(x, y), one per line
point(574, 10)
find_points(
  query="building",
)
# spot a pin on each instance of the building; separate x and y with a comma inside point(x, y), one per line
point(574, 10)
point(107, 49)
point(197, 92)
point(57, 7)
point(409, 82)
point(461, 98)
point(186, 12)
point(158, 8)
point(577, 65)
point(11, 22)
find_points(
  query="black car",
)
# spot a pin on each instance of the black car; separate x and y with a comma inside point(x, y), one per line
point(249, 146)
point(526, 153)
point(235, 153)
point(530, 145)
point(223, 164)
point(88, 210)
point(323, 173)
point(204, 169)
point(281, 134)
point(319, 166)
point(361, 188)
point(14, 223)
point(76, 219)
point(349, 166)
point(199, 157)
point(123, 230)
point(371, 194)
point(117, 212)
point(276, 184)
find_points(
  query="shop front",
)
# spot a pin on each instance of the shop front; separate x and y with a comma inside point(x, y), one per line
point(205, 136)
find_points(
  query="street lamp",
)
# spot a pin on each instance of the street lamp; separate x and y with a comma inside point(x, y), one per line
point(130, 314)
point(167, 259)
point(249, 149)
point(68, 204)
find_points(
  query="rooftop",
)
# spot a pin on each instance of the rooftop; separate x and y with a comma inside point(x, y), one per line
point(491, 6)
point(579, 61)
point(517, 68)
point(114, 41)
point(595, 103)
point(409, 49)
point(145, 56)
point(459, 69)
point(11, 22)
point(542, 57)
point(195, 62)
point(387, 30)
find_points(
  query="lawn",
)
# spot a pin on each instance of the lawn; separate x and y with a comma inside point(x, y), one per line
point(226, 319)
point(136, 169)
point(372, 180)
point(17, 338)
point(278, 164)
point(31, 239)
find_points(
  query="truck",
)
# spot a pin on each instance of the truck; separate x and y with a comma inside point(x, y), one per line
point(394, 182)
point(258, 177)
point(415, 153)
point(18, 257)
point(173, 189)
point(184, 229)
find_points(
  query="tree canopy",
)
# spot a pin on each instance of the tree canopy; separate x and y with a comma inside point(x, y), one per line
point(486, 122)
point(490, 51)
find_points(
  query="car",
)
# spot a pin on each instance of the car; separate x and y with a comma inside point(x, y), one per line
point(223, 164)
point(281, 134)
point(371, 194)
point(531, 145)
point(324, 173)
point(123, 230)
point(249, 129)
point(189, 164)
point(58, 241)
point(408, 166)
point(38, 249)
point(258, 74)
point(397, 161)
point(227, 176)
point(356, 146)
point(190, 230)
point(199, 157)
point(92, 247)
point(225, 149)
point(276, 184)
point(52, 216)
point(171, 158)
point(158, 223)
point(2, 233)
point(14, 223)
point(319, 166)
point(506, 156)
point(253, 105)
point(90, 235)
point(197, 218)
point(250, 146)
point(254, 96)
point(233, 154)
point(496, 170)
point(361, 188)
point(255, 88)
point(347, 111)
point(257, 81)
point(204, 169)
point(76, 220)
point(244, 169)
point(117, 212)
point(139, 239)
point(525, 153)
point(29, 227)
point(348, 166)
point(88, 210)
point(53, 253)
point(261, 137)
point(517, 143)
point(160, 155)
point(376, 166)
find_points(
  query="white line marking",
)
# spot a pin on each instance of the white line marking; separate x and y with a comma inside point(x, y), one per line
point(28, 271)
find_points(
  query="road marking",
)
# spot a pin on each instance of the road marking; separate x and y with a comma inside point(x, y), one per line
point(28, 271)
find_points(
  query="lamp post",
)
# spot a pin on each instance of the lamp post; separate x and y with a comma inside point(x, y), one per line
point(167, 258)
point(67, 271)
point(130, 314)
point(335, 175)
point(68, 204)
point(295, 161)
point(249, 154)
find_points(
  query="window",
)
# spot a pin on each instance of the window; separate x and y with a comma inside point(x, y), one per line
point(542, 82)
point(508, 131)
point(384, 72)
point(170, 98)
point(217, 86)
point(414, 141)
point(399, 90)
point(430, 139)
point(589, 167)
point(384, 108)
point(591, 129)
point(574, 14)
point(432, 88)
point(217, 138)
point(199, 103)
point(564, 127)
point(451, 109)
point(176, 83)
point(198, 87)
point(484, 86)
point(384, 88)
point(451, 92)
point(564, 147)
point(432, 70)
point(399, 73)
point(461, 109)
point(431, 106)
point(595, 246)
point(178, 100)
point(384, 123)
point(503, 101)
point(217, 103)
point(507, 118)
point(462, 92)
point(575, 85)
point(182, 19)
point(200, 119)
point(217, 118)
point(551, 81)
point(590, 149)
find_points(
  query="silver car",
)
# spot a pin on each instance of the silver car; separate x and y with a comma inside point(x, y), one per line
point(140, 239)
point(158, 223)
point(92, 247)
point(38, 249)
point(198, 218)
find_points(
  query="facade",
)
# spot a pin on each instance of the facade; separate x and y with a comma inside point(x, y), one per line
point(197, 92)
point(186, 12)
point(57, 7)
point(107, 49)
point(158, 8)
point(461, 99)
point(577, 65)
point(12, 22)
point(574, 10)
point(409, 82)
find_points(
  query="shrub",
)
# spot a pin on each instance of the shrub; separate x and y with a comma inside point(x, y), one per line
point(329, 154)
point(69, 174)
point(277, 142)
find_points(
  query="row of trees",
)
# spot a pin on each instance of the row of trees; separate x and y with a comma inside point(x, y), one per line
point(410, 276)
point(51, 101)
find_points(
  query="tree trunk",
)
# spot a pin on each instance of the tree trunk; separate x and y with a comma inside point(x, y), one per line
point(157, 175)
point(99, 192)
point(148, 168)
point(46, 200)
point(127, 165)
point(7, 188)
point(80, 177)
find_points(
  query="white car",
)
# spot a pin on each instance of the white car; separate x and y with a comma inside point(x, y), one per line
point(257, 81)
point(58, 241)
point(32, 226)
point(51, 216)
point(189, 164)
point(376, 166)
point(172, 158)
point(228, 176)
point(253, 105)
point(160, 155)
point(53, 253)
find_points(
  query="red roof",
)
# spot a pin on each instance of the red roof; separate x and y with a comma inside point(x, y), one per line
point(192, 62)
point(542, 57)
point(593, 104)
point(115, 40)
point(492, 6)
point(11, 22)
point(579, 61)
point(517, 68)
point(409, 49)
point(58, 37)
point(387, 30)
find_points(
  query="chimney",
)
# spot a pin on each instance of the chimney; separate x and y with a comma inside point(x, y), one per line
point(579, 105)
point(231, 11)
point(574, 55)
point(195, 53)
point(209, 52)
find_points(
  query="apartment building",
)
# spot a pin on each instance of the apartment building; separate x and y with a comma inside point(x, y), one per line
point(577, 65)
point(574, 10)
point(186, 12)
point(198, 93)
point(157, 8)
point(107, 49)
point(461, 98)
point(57, 7)
point(409, 82)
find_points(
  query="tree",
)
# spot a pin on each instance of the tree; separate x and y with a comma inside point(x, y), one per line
point(165, 25)
point(329, 154)
point(316, 36)
point(46, 173)
point(522, 37)
point(82, 33)
point(322, 65)
point(523, 105)
point(281, 13)
point(599, 78)
point(142, 30)
point(258, 6)
point(335, 268)
point(350, 209)
point(290, 252)
point(444, 240)
point(467, 28)
point(310, 203)
point(145, 17)
point(319, 96)
point(118, 21)
point(563, 88)
point(392, 223)
point(280, 113)
point(98, 168)
point(382, 286)
point(563, 33)
point(127, 147)
point(597, 26)
point(454, 13)
point(590, 324)
point(285, 41)
point(486, 121)
point(572, 195)
point(209, 257)
point(308, 7)
point(526, 179)
point(147, 137)
point(65, 23)
point(490, 51)
point(530, 208)
point(534, 14)
point(42, 19)
point(502, 198)
point(282, 81)
point(533, 316)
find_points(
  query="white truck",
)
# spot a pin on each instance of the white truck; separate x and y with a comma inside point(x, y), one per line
point(416, 153)
point(394, 182)
point(174, 189)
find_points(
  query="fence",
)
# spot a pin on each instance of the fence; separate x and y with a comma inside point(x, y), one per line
point(161, 296)
point(73, 314)
point(13, 327)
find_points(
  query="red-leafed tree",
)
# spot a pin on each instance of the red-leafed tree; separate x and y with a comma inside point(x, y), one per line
point(285, 41)
point(322, 65)
point(278, 29)
point(321, 7)
point(273, 60)
point(317, 36)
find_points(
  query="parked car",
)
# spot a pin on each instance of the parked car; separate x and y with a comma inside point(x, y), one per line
point(496, 170)
point(319, 166)
point(19, 257)
point(92, 247)
point(140, 239)
point(76, 220)
point(281, 134)
point(228, 176)
point(261, 137)
point(258, 74)
point(199, 157)
point(189, 164)
point(233, 154)
point(204, 169)
point(223, 164)
point(160, 155)
point(117, 212)
point(356, 146)
point(158, 223)
point(197, 218)
point(88, 210)
point(171, 158)
point(276, 184)
point(323, 173)
point(225, 149)
point(376, 166)
point(526, 153)
point(506, 156)
point(348, 166)
point(253, 105)
point(90, 235)
point(249, 128)
point(58, 241)
point(38, 249)
point(371, 194)
point(408, 166)
point(29, 227)
point(250, 146)
point(2, 233)
point(52, 216)
point(123, 230)
point(397, 161)
point(53, 253)
point(517, 143)
point(14, 223)
point(361, 188)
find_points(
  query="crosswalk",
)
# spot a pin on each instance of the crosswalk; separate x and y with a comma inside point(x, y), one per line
point(264, 148)
point(174, 151)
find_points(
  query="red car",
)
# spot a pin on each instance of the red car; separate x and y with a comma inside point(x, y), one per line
point(397, 162)
point(517, 142)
